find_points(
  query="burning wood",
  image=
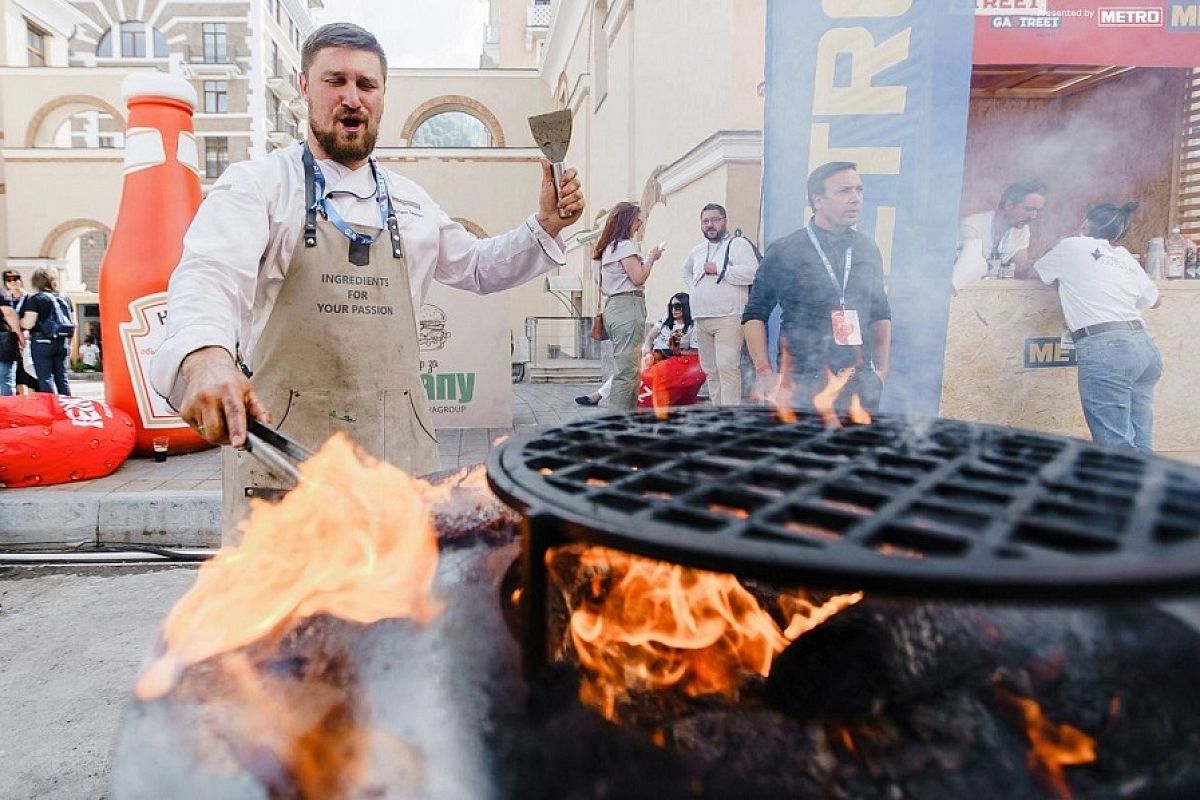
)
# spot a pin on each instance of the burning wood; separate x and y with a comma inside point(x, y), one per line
point(1052, 746)
point(354, 541)
point(642, 626)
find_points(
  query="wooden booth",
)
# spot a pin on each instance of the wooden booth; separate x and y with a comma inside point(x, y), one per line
point(1092, 134)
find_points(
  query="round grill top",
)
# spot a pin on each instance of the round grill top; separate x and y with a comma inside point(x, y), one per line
point(918, 507)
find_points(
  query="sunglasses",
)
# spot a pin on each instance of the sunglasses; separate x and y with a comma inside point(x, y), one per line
point(11, 278)
point(675, 306)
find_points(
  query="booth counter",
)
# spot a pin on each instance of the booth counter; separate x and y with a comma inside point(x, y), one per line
point(1005, 364)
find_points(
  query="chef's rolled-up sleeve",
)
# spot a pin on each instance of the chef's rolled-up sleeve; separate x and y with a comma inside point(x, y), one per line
point(211, 291)
point(496, 263)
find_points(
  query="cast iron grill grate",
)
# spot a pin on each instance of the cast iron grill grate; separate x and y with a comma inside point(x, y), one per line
point(918, 507)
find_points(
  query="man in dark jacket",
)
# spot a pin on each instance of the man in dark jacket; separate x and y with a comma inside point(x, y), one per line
point(827, 279)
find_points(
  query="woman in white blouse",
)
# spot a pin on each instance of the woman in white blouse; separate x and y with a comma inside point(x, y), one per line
point(674, 375)
point(1102, 288)
point(621, 272)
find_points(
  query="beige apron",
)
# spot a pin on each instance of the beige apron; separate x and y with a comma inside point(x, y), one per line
point(327, 363)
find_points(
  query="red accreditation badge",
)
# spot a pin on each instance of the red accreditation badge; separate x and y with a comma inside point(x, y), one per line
point(846, 329)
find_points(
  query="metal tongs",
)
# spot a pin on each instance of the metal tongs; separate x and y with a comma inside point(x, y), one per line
point(279, 453)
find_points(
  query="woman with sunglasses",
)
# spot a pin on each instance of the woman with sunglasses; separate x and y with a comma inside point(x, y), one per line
point(674, 375)
point(1102, 288)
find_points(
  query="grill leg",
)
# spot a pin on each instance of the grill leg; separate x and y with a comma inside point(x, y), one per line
point(538, 537)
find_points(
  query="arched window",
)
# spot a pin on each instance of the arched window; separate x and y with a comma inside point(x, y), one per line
point(133, 42)
point(451, 129)
point(89, 129)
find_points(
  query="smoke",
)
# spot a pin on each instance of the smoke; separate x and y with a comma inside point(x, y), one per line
point(1111, 142)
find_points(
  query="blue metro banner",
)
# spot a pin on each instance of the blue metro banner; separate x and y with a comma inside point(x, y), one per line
point(885, 84)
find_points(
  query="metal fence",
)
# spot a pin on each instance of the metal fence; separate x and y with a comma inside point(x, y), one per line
point(558, 339)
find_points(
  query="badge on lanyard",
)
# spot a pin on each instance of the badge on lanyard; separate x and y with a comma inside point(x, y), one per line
point(360, 253)
point(359, 243)
point(843, 321)
point(846, 329)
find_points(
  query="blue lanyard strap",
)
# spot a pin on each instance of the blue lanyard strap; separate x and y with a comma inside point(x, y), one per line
point(316, 200)
point(812, 237)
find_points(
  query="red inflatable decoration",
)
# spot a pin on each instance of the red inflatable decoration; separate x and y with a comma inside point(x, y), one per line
point(48, 438)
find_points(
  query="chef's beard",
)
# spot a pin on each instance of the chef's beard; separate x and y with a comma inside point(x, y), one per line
point(346, 152)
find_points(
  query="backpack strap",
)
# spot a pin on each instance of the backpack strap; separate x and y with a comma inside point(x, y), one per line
point(728, 247)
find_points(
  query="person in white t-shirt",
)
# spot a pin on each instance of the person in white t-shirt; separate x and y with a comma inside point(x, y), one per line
point(621, 272)
point(89, 353)
point(1002, 235)
point(719, 273)
point(1102, 288)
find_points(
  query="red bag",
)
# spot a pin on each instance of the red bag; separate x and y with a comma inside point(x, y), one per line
point(48, 438)
point(674, 381)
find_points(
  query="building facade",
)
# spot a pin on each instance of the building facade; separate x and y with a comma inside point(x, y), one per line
point(640, 133)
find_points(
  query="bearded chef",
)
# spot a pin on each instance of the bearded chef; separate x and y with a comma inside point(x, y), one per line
point(294, 299)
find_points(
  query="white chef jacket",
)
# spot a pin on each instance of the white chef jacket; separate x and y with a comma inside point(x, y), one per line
point(727, 298)
point(237, 251)
point(1097, 282)
point(979, 226)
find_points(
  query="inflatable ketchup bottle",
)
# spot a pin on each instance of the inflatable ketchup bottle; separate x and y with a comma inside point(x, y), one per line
point(160, 196)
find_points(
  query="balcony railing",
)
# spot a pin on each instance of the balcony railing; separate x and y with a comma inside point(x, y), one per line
point(210, 62)
point(198, 54)
point(538, 16)
point(559, 340)
point(283, 86)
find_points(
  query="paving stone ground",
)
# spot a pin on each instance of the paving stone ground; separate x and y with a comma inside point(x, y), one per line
point(177, 503)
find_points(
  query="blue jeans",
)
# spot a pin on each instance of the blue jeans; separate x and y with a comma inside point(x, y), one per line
point(48, 358)
point(8, 378)
point(1117, 373)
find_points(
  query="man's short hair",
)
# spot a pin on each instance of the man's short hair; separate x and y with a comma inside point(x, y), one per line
point(715, 207)
point(816, 180)
point(1016, 192)
point(340, 34)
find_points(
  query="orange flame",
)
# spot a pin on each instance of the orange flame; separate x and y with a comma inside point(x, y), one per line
point(660, 392)
point(353, 540)
point(662, 626)
point(1052, 745)
point(825, 399)
point(308, 734)
point(858, 413)
point(780, 397)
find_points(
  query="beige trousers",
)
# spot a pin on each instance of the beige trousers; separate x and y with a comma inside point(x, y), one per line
point(719, 340)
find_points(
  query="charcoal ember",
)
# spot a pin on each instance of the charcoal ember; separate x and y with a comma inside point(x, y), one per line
point(875, 653)
point(738, 749)
point(560, 750)
point(1131, 685)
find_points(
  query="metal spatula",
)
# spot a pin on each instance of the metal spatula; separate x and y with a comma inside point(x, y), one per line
point(552, 132)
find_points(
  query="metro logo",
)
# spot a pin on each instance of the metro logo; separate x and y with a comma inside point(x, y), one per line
point(1130, 17)
point(1184, 16)
point(1047, 351)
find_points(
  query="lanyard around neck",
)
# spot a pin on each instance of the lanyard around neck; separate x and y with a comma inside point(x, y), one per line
point(812, 237)
point(316, 199)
